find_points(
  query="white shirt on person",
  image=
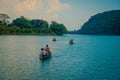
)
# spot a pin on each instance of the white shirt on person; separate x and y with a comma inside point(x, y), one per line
point(43, 52)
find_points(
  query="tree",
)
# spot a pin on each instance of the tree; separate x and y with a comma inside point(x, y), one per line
point(44, 24)
point(37, 23)
point(4, 18)
point(57, 28)
point(23, 25)
point(22, 22)
point(106, 23)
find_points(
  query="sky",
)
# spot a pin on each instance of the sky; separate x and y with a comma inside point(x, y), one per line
point(72, 13)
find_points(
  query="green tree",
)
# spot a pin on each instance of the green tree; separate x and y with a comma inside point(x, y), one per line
point(44, 24)
point(22, 22)
point(57, 28)
point(4, 18)
point(37, 23)
point(106, 23)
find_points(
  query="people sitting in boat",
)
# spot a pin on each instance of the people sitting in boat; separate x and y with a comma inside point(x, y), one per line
point(54, 39)
point(47, 49)
point(43, 52)
point(71, 41)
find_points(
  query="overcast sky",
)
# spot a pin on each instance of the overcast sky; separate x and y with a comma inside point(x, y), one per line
point(72, 13)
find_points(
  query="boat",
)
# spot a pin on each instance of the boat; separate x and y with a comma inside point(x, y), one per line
point(71, 41)
point(44, 57)
point(54, 39)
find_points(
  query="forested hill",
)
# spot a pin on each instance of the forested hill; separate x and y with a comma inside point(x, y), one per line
point(106, 23)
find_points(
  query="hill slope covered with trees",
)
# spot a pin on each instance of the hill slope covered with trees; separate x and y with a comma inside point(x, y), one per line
point(106, 23)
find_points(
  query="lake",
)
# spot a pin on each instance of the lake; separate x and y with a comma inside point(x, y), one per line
point(90, 58)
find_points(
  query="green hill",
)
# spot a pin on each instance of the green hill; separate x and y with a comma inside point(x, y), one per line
point(106, 23)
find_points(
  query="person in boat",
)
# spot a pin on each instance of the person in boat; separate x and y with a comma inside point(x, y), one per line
point(43, 52)
point(47, 49)
point(54, 39)
point(71, 41)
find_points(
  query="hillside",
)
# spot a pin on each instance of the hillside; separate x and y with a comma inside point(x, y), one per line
point(106, 23)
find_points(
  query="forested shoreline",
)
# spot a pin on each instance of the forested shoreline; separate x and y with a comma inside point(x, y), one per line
point(24, 26)
point(105, 23)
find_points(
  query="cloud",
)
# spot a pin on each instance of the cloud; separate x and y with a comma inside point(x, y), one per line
point(47, 9)
point(56, 6)
point(53, 8)
point(17, 7)
point(1, 0)
point(27, 6)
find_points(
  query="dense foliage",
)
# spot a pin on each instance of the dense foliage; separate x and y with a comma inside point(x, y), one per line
point(106, 23)
point(22, 22)
point(57, 28)
point(39, 23)
point(23, 25)
point(4, 19)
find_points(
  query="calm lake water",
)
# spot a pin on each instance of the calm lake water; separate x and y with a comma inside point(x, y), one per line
point(90, 58)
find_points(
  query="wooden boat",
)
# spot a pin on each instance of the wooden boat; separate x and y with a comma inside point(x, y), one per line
point(54, 39)
point(71, 42)
point(44, 57)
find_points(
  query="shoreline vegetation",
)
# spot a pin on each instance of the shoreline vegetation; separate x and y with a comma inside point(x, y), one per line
point(105, 23)
point(24, 26)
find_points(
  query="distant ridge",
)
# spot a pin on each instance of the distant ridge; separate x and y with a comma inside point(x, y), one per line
point(106, 23)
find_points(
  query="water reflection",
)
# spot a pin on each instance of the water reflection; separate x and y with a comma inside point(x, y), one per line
point(44, 69)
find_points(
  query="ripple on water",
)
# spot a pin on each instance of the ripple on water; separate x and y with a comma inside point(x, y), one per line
point(91, 58)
